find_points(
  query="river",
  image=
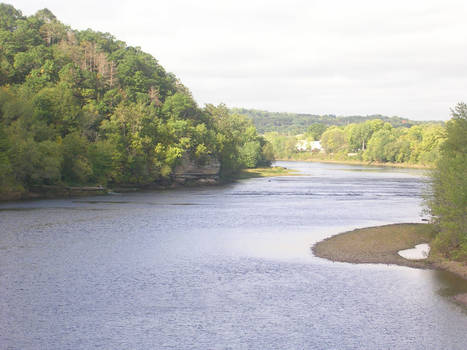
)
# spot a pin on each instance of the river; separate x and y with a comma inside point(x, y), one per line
point(227, 267)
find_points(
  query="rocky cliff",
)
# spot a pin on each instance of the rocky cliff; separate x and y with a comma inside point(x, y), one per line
point(191, 172)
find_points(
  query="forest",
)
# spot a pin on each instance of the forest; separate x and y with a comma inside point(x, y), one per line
point(447, 201)
point(370, 141)
point(81, 107)
point(440, 147)
point(298, 123)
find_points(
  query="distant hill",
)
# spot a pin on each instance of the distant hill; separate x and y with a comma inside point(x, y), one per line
point(293, 123)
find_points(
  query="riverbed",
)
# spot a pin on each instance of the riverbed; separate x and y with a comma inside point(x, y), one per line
point(225, 267)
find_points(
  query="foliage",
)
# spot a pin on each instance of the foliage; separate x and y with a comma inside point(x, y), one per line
point(283, 146)
point(293, 123)
point(315, 131)
point(239, 145)
point(334, 140)
point(80, 107)
point(448, 203)
point(371, 141)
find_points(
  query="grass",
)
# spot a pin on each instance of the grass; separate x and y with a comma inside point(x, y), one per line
point(265, 172)
point(380, 245)
point(319, 159)
point(376, 244)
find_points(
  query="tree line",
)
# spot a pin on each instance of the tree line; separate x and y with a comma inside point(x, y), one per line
point(447, 201)
point(81, 107)
point(372, 141)
point(298, 123)
point(442, 147)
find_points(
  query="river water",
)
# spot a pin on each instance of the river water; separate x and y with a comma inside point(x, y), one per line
point(226, 267)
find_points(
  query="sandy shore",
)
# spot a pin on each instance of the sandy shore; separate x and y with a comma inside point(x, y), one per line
point(266, 172)
point(380, 245)
point(360, 162)
point(376, 245)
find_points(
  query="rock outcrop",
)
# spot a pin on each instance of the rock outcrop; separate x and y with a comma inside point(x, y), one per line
point(190, 172)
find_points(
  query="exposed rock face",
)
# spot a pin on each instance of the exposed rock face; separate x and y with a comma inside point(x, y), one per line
point(188, 171)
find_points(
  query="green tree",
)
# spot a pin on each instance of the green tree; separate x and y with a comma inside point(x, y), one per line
point(75, 167)
point(36, 163)
point(282, 146)
point(334, 140)
point(80, 107)
point(6, 170)
point(448, 203)
point(8, 17)
point(360, 134)
point(250, 154)
point(381, 147)
point(315, 130)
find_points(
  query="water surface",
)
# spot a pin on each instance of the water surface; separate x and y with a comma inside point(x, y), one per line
point(221, 268)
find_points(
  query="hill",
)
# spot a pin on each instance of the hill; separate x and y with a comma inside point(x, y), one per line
point(293, 123)
point(81, 107)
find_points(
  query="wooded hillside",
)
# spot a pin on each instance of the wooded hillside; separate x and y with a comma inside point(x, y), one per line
point(81, 107)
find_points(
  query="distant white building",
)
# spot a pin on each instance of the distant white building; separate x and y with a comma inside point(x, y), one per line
point(316, 145)
point(302, 145)
point(305, 145)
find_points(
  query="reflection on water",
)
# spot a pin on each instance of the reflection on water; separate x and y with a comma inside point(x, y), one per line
point(221, 267)
point(449, 283)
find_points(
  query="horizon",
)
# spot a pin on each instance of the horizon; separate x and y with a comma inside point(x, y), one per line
point(376, 115)
point(400, 59)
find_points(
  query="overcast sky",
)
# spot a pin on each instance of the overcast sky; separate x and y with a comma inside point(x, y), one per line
point(406, 58)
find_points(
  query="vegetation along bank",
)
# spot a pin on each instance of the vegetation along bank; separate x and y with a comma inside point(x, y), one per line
point(81, 109)
point(381, 244)
point(365, 142)
point(447, 204)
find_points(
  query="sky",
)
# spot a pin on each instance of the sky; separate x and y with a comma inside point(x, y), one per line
point(396, 58)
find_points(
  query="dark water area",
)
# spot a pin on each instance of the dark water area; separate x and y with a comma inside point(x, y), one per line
point(221, 268)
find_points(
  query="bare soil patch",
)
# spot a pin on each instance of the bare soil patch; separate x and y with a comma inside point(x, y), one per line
point(380, 245)
point(376, 245)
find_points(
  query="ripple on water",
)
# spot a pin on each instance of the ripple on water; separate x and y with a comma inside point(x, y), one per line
point(220, 267)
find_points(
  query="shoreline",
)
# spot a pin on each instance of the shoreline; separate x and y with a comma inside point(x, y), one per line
point(360, 162)
point(381, 244)
point(64, 191)
point(265, 172)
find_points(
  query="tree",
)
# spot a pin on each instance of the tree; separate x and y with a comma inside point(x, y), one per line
point(432, 139)
point(80, 107)
point(75, 166)
point(36, 163)
point(8, 17)
point(379, 147)
point(6, 170)
point(315, 130)
point(360, 134)
point(282, 146)
point(334, 140)
point(448, 203)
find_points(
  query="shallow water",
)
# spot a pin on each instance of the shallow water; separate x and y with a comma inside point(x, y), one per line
point(221, 268)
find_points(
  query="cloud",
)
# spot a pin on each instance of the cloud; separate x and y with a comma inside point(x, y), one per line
point(406, 58)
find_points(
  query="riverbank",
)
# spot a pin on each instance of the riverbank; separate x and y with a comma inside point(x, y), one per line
point(56, 191)
point(63, 191)
point(360, 162)
point(265, 172)
point(381, 244)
